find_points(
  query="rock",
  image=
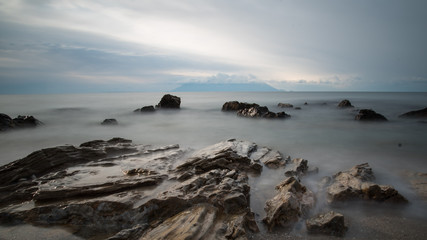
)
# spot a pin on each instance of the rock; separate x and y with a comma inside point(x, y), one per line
point(169, 101)
point(235, 106)
point(331, 223)
point(285, 105)
point(145, 109)
point(6, 122)
point(422, 113)
point(260, 112)
point(369, 115)
point(26, 121)
point(116, 190)
point(345, 104)
point(356, 183)
point(297, 108)
point(110, 121)
point(292, 202)
point(299, 168)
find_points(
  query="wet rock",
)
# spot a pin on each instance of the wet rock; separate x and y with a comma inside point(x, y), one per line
point(146, 109)
point(110, 121)
point(6, 122)
point(260, 112)
point(330, 223)
point(235, 106)
point(169, 101)
point(299, 167)
point(422, 113)
point(345, 104)
point(370, 115)
point(292, 202)
point(285, 105)
point(356, 183)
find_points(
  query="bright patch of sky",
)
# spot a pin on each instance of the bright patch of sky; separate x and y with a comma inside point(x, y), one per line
point(106, 45)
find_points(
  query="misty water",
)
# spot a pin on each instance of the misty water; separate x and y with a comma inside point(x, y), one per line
point(328, 137)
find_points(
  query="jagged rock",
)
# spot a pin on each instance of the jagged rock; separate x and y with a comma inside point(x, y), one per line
point(285, 105)
point(369, 115)
point(299, 167)
point(292, 202)
point(235, 106)
point(260, 112)
point(422, 113)
point(356, 184)
point(345, 104)
point(110, 121)
point(331, 223)
point(169, 101)
point(6, 122)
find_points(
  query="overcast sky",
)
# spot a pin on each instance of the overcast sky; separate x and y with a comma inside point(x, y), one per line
point(62, 46)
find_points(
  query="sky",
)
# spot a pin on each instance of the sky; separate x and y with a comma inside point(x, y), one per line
point(72, 46)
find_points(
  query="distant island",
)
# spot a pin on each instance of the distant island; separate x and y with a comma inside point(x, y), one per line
point(225, 87)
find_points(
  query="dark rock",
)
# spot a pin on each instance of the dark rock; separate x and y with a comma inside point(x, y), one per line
point(260, 112)
point(236, 106)
point(169, 101)
point(299, 168)
point(422, 113)
point(356, 183)
point(331, 223)
point(148, 109)
point(26, 121)
point(345, 104)
point(110, 121)
point(297, 108)
point(369, 115)
point(293, 201)
point(285, 105)
point(6, 122)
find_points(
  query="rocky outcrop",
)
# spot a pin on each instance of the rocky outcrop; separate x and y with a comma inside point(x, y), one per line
point(169, 101)
point(146, 109)
point(330, 223)
point(7, 122)
point(285, 105)
point(422, 113)
point(356, 183)
point(236, 106)
point(292, 202)
point(109, 121)
point(115, 189)
point(260, 112)
point(345, 104)
point(370, 115)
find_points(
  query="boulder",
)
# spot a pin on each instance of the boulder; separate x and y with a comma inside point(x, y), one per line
point(299, 167)
point(356, 183)
point(345, 104)
point(369, 115)
point(110, 121)
point(236, 106)
point(285, 105)
point(292, 202)
point(6, 122)
point(422, 113)
point(330, 223)
point(169, 101)
point(145, 109)
point(260, 112)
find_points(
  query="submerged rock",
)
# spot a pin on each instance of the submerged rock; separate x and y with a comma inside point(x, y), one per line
point(356, 183)
point(110, 121)
point(331, 223)
point(285, 105)
point(369, 115)
point(236, 106)
point(146, 109)
point(422, 113)
point(169, 101)
point(293, 201)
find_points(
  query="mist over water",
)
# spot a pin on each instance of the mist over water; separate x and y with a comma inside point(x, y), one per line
point(328, 137)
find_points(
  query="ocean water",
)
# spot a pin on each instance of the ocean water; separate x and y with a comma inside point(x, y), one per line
point(328, 137)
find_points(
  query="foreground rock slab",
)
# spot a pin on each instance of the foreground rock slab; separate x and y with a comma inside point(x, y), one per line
point(119, 190)
point(356, 183)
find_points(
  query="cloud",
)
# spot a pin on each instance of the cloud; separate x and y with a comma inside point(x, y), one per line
point(329, 44)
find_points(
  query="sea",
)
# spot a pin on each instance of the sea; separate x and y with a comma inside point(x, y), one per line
point(328, 137)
